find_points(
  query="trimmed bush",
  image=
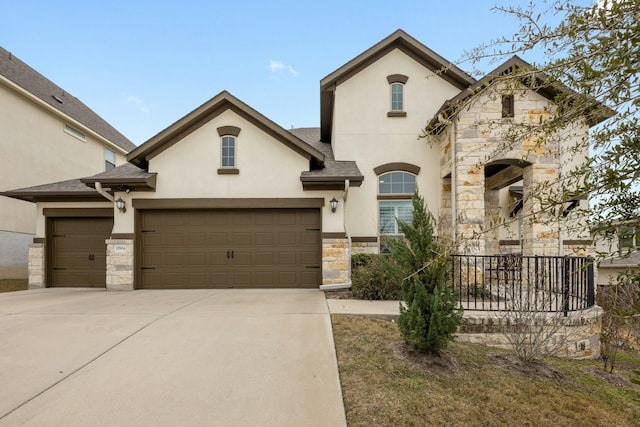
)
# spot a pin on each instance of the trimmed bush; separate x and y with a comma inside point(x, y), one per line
point(371, 278)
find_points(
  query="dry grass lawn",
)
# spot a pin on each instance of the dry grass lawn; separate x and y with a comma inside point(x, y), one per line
point(10, 285)
point(383, 384)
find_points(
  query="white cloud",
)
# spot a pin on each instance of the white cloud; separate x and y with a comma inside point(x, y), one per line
point(276, 66)
point(133, 100)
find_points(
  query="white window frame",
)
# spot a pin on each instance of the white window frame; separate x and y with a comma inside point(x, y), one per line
point(395, 200)
point(401, 86)
point(108, 164)
point(235, 152)
point(75, 132)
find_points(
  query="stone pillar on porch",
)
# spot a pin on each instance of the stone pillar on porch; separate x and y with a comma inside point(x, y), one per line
point(470, 203)
point(36, 266)
point(492, 222)
point(541, 226)
point(119, 264)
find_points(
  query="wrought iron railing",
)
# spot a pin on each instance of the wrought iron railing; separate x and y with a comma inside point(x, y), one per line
point(528, 283)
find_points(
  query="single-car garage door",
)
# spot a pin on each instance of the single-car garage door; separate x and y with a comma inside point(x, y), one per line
point(78, 251)
point(230, 248)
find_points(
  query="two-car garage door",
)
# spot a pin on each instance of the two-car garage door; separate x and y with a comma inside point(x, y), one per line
point(230, 248)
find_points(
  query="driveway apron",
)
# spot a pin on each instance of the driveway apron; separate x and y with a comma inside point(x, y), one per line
point(168, 358)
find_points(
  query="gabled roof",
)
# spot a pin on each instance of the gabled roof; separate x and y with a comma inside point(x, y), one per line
point(215, 106)
point(70, 190)
point(334, 173)
point(542, 86)
point(398, 40)
point(127, 175)
point(20, 74)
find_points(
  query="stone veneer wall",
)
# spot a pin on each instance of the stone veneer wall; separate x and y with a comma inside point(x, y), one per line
point(365, 247)
point(119, 264)
point(36, 266)
point(335, 261)
point(578, 338)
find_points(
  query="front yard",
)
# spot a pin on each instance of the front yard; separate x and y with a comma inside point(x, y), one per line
point(385, 385)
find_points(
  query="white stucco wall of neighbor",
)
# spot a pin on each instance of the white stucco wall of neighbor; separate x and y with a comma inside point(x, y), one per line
point(36, 150)
point(363, 132)
point(267, 169)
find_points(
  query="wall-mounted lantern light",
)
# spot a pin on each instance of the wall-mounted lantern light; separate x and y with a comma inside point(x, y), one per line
point(334, 204)
point(120, 204)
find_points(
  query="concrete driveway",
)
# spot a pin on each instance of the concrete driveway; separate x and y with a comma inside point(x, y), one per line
point(168, 358)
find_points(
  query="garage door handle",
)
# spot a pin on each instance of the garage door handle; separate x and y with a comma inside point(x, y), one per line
point(231, 254)
point(313, 266)
point(228, 253)
point(147, 268)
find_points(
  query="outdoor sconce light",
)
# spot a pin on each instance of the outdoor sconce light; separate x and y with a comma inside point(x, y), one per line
point(121, 205)
point(334, 205)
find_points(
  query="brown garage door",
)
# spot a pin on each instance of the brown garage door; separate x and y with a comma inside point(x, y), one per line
point(250, 248)
point(78, 251)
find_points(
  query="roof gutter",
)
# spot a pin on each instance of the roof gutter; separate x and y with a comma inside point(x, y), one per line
point(25, 93)
point(103, 193)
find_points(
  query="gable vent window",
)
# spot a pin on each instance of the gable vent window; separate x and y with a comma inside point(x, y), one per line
point(75, 132)
point(109, 159)
point(508, 110)
point(397, 84)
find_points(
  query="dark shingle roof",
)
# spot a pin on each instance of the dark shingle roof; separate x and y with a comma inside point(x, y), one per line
point(631, 260)
point(70, 189)
point(35, 83)
point(333, 169)
point(127, 175)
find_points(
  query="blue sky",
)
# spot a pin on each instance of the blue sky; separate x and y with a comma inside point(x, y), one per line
point(142, 65)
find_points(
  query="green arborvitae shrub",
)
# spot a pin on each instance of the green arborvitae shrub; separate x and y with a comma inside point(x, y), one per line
point(372, 279)
point(430, 314)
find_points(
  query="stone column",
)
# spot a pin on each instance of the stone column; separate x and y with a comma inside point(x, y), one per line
point(492, 220)
point(335, 261)
point(36, 266)
point(541, 232)
point(119, 264)
point(470, 207)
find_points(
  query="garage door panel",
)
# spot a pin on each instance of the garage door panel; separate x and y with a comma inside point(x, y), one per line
point(78, 251)
point(233, 248)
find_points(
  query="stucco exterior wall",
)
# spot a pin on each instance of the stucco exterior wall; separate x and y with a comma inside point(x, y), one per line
point(363, 132)
point(267, 169)
point(36, 150)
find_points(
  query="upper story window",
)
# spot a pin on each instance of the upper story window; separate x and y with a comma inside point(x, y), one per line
point(109, 159)
point(228, 149)
point(508, 108)
point(75, 132)
point(397, 84)
point(397, 92)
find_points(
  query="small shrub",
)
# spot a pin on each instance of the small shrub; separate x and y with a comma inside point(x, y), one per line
point(371, 278)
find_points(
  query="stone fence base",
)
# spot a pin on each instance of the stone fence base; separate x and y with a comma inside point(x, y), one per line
point(576, 336)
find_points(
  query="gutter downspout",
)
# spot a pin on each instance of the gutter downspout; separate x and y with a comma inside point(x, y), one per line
point(103, 193)
point(452, 143)
point(338, 286)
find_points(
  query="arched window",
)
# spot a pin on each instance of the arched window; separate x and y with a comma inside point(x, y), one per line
point(395, 190)
point(228, 149)
point(397, 83)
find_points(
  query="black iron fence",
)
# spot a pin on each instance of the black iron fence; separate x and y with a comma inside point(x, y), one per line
point(523, 283)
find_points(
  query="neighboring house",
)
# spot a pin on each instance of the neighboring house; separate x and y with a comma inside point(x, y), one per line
point(46, 135)
point(624, 254)
point(224, 197)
